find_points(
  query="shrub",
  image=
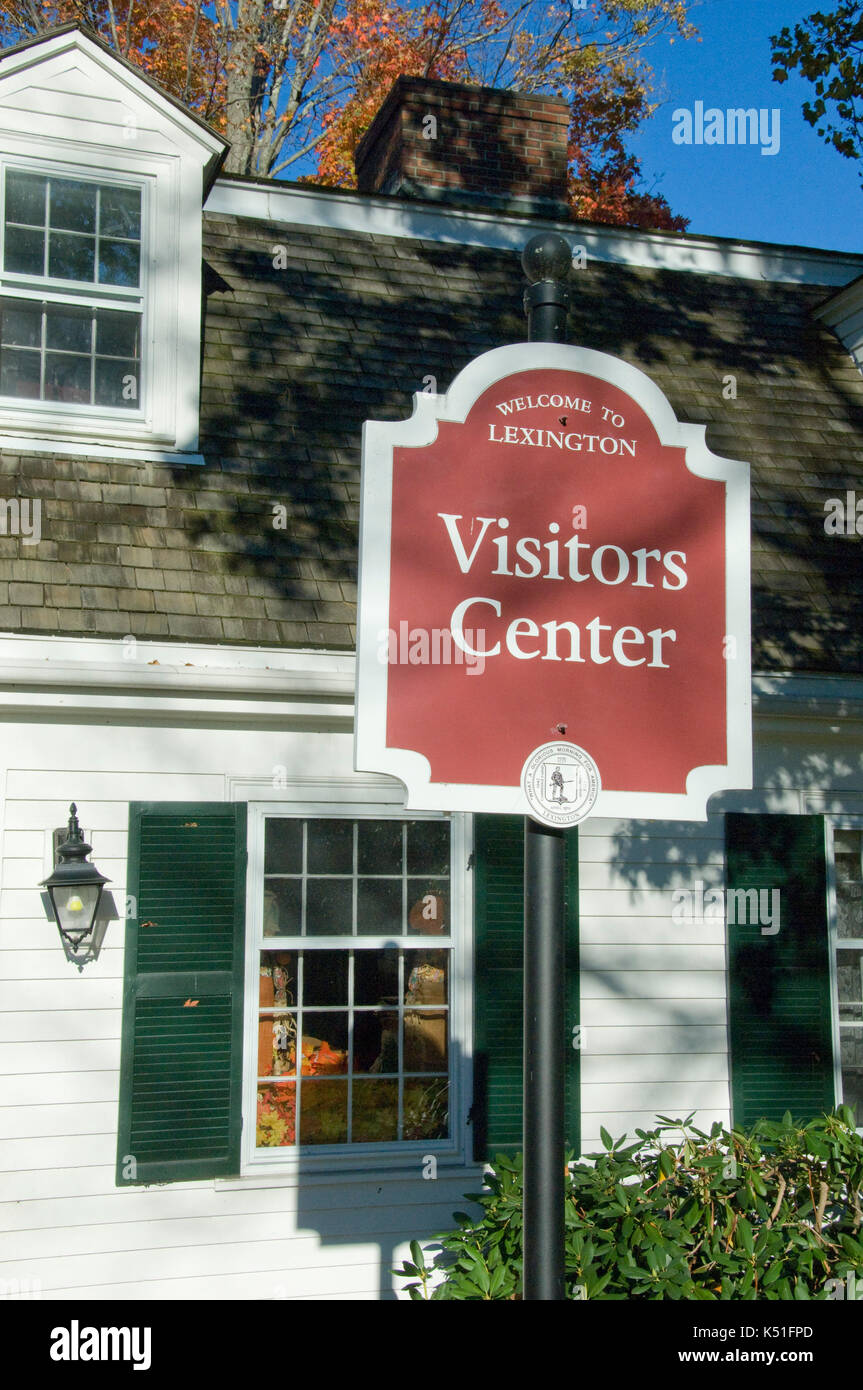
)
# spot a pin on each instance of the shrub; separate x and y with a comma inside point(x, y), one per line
point(774, 1213)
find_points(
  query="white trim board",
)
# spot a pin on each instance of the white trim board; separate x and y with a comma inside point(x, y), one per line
point(394, 217)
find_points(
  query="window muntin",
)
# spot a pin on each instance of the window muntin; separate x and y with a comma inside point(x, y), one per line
point(68, 229)
point(348, 987)
point(72, 311)
point(68, 353)
point(848, 944)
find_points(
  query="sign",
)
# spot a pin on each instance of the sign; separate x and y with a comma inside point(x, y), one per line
point(549, 558)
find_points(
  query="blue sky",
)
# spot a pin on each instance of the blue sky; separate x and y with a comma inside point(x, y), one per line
point(806, 194)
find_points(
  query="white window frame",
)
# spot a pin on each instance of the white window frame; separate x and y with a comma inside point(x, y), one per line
point(357, 1157)
point(155, 428)
point(44, 289)
point(831, 825)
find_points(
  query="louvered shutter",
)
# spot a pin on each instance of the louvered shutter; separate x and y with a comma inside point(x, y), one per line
point(779, 984)
point(498, 988)
point(181, 1071)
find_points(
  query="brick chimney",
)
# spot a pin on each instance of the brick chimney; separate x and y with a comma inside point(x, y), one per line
point(474, 146)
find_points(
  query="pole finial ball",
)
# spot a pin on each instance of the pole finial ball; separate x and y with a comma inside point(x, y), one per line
point(547, 256)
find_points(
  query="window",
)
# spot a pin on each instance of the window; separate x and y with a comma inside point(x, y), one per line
point(354, 954)
point(66, 240)
point(847, 945)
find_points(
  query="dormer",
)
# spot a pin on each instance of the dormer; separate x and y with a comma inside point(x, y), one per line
point(102, 178)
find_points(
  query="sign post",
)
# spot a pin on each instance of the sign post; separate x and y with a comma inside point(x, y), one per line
point(553, 622)
point(546, 261)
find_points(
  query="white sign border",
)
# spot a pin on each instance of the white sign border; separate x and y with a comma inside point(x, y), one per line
point(380, 438)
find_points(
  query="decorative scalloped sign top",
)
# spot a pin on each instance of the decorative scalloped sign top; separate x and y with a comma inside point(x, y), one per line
point(548, 553)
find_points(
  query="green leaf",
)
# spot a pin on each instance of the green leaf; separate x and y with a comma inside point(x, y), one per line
point(606, 1138)
point(666, 1163)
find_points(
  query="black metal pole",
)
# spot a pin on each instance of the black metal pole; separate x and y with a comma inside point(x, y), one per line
point(546, 260)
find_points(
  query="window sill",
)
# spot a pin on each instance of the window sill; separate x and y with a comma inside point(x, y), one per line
point(85, 448)
point(408, 1169)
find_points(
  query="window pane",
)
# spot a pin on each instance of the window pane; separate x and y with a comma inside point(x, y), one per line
point(277, 1044)
point(25, 199)
point(324, 1112)
point(849, 974)
point(121, 212)
point(22, 327)
point(69, 331)
point(279, 968)
point(329, 909)
point(73, 205)
point(25, 251)
point(849, 910)
point(277, 1112)
point(376, 977)
point(852, 1070)
point(425, 1040)
point(70, 257)
point(426, 977)
point(375, 1112)
point(117, 335)
point(67, 378)
point(379, 907)
point(376, 1041)
point(428, 847)
point(847, 842)
point(19, 374)
point(117, 382)
point(283, 846)
point(426, 1106)
point(325, 1044)
point(428, 906)
point(282, 906)
point(331, 846)
point(325, 977)
point(379, 847)
point(119, 263)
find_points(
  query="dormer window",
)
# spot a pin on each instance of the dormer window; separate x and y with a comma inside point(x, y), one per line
point(100, 256)
point(66, 241)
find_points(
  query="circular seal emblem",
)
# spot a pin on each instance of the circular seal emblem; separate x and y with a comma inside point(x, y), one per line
point(561, 782)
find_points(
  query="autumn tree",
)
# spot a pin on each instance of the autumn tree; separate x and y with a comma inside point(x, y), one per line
point(288, 81)
point(827, 50)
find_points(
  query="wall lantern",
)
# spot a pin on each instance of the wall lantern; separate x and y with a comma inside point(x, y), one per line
point(74, 897)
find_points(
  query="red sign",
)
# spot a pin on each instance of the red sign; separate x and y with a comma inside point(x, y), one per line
point(548, 553)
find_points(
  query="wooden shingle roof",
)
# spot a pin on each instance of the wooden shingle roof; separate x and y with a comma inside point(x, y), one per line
point(308, 332)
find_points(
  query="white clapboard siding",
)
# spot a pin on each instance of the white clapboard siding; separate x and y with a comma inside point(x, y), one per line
point(69, 1055)
point(348, 1225)
point(52, 966)
point(694, 957)
point(667, 1037)
point(659, 983)
point(58, 1121)
point(649, 931)
point(56, 1089)
point(658, 1096)
point(89, 788)
point(643, 877)
point(77, 1151)
point(201, 1201)
point(598, 1068)
point(614, 1013)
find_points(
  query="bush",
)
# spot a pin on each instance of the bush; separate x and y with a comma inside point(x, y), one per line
point(770, 1214)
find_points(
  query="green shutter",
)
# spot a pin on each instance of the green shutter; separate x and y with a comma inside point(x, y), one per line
point(498, 977)
point(181, 1069)
point(779, 985)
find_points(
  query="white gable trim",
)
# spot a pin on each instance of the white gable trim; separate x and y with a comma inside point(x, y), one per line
point(394, 217)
